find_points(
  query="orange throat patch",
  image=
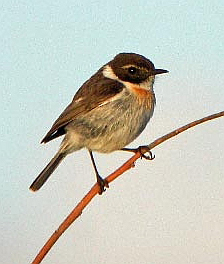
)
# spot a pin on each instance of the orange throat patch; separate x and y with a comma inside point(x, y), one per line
point(146, 97)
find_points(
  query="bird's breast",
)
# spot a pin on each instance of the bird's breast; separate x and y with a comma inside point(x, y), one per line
point(115, 124)
point(142, 93)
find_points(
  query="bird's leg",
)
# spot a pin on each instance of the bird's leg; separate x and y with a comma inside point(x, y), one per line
point(142, 150)
point(101, 182)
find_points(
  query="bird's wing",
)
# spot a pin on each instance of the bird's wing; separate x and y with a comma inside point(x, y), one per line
point(92, 93)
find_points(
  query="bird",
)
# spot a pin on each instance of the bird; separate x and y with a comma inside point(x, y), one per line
point(108, 112)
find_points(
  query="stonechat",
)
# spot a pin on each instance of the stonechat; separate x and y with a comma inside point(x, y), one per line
point(109, 111)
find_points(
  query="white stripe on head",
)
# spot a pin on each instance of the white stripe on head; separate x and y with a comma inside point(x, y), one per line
point(146, 85)
point(109, 73)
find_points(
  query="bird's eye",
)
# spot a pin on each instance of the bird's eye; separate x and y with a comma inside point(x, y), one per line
point(132, 70)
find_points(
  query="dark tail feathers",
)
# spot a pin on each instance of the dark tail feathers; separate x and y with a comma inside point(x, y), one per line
point(47, 171)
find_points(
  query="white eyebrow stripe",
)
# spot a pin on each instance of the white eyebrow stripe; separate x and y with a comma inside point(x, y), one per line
point(134, 66)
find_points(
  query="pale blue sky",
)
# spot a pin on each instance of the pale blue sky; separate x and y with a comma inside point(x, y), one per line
point(163, 212)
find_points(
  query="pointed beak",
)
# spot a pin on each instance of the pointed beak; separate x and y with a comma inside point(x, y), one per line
point(159, 71)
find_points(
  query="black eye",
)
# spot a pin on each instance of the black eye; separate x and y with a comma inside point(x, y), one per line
point(132, 70)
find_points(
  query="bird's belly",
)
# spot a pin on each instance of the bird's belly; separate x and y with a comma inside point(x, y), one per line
point(113, 132)
point(112, 126)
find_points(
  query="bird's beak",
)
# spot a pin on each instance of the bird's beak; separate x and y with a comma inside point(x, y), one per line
point(159, 71)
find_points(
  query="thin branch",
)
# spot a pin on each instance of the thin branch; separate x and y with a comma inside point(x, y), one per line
point(183, 128)
point(77, 211)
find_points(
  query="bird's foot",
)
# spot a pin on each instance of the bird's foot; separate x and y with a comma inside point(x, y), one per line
point(102, 184)
point(142, 150)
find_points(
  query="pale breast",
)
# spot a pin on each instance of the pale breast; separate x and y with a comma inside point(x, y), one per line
point(112, 125)
point(115, 125)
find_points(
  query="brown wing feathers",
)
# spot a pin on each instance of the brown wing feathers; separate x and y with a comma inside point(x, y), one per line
point(98, 91)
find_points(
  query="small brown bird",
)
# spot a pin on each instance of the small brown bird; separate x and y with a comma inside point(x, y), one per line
point(108, 112)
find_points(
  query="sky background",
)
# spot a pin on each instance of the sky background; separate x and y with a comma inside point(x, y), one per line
point(167, 211)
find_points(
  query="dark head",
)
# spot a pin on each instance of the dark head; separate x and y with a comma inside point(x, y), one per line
point(132, 67)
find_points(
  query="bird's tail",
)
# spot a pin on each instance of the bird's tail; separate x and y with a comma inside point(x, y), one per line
point(47, 171)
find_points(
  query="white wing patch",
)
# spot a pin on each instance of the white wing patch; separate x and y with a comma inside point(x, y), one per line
point(79, 100)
